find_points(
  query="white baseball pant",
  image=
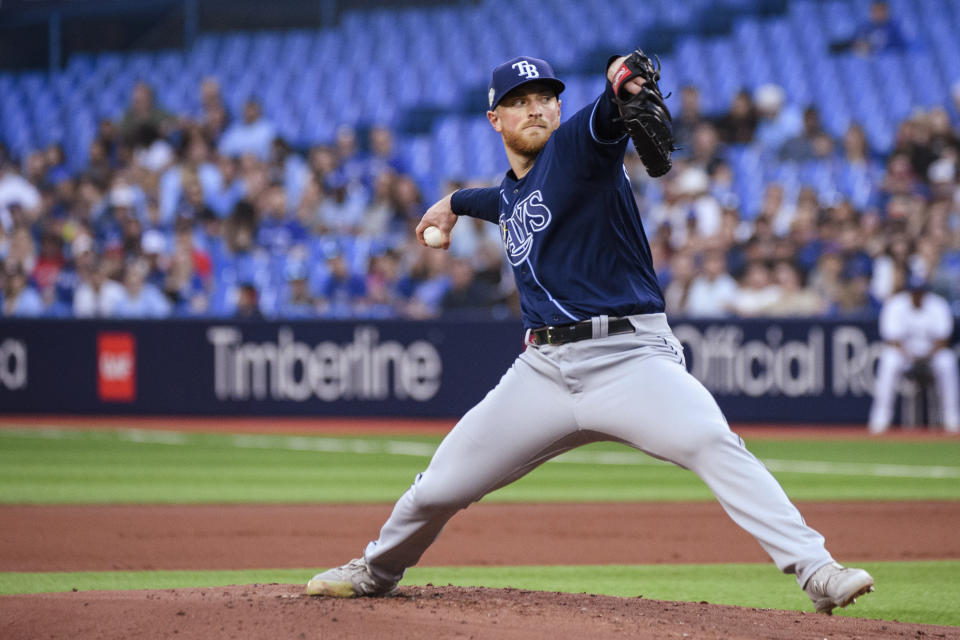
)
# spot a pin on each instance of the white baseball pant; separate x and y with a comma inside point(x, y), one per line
point(893, 364)
point(631, 388)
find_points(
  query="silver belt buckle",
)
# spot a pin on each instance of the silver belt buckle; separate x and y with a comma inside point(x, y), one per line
point(547, 333)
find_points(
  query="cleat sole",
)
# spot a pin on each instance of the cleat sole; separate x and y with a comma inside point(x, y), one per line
point(330, 589)
point(826, 605)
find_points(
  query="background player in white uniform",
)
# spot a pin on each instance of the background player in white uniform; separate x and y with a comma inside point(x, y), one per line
point(916, 325)
point(601, 362)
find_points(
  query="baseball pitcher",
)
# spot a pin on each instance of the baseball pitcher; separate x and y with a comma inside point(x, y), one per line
point(601, 362)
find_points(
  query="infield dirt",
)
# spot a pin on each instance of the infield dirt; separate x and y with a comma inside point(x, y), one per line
point(100, 538)
point(91, 538)
point(415, 613)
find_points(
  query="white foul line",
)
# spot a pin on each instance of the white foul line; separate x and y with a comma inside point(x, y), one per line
point(359, 446)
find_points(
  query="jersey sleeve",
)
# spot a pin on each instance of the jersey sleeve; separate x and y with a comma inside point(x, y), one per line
point(483, 203)
point(891, 320)
point(605, 124)
point(942, 324)
point(595, 139)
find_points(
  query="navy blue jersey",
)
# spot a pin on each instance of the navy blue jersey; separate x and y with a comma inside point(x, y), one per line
point(571, 227)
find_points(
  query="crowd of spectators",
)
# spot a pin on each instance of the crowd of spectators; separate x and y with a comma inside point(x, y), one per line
point(218, 217)
point(804, 252)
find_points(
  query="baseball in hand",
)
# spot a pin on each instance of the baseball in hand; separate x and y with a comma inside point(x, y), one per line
point(433, 237)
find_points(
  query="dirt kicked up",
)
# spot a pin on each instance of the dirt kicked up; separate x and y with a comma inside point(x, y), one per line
point(92, 538)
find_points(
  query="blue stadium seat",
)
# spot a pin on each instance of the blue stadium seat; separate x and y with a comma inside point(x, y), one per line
point(307, 100)
point(840, 20)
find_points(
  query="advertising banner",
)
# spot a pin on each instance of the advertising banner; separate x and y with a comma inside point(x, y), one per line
point(791, 371)
point(239, 368)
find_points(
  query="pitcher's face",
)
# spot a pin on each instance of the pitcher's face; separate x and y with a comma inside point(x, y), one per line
point(526, 117)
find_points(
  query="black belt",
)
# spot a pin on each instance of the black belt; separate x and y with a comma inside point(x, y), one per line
point(582, 330)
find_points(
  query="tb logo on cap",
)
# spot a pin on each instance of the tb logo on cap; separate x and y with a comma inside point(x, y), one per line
point(527, 69)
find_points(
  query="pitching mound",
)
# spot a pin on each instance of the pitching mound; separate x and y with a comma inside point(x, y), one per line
point(282, 611)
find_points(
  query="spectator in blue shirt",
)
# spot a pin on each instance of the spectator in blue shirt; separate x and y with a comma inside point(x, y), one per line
point(278, 232)
point(428, 283)
point(19, 298)
point(383, 155)
point(230, 189)
point(253, 136)
point(81, 260)
point(778, 121)
point(343, 290)
point(385, 285)
point(352, 165)
point(140, 298)
point(56, 164)
point(297, 302)
point(237, 260)
point(855, 299)
point(248, 302)
point(191, 185)
point(184, 287)
point(880, 33)
point(155, 252)
point(342, 209)
point(804, 146)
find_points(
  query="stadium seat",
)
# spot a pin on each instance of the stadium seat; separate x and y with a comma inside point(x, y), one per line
point(723, 45)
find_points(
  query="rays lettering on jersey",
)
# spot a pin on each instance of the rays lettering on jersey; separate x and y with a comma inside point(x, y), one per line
point(529, 216)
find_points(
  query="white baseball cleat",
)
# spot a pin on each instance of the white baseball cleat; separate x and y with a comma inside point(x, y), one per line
point(834, 585)
point(349, 581)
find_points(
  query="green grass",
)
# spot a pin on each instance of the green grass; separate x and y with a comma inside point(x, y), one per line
point(51, 466)
point(923, 592)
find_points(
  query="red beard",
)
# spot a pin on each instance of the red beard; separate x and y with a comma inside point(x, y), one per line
point(524, 145)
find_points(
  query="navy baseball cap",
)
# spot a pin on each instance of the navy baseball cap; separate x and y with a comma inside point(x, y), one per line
point(513, 73)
